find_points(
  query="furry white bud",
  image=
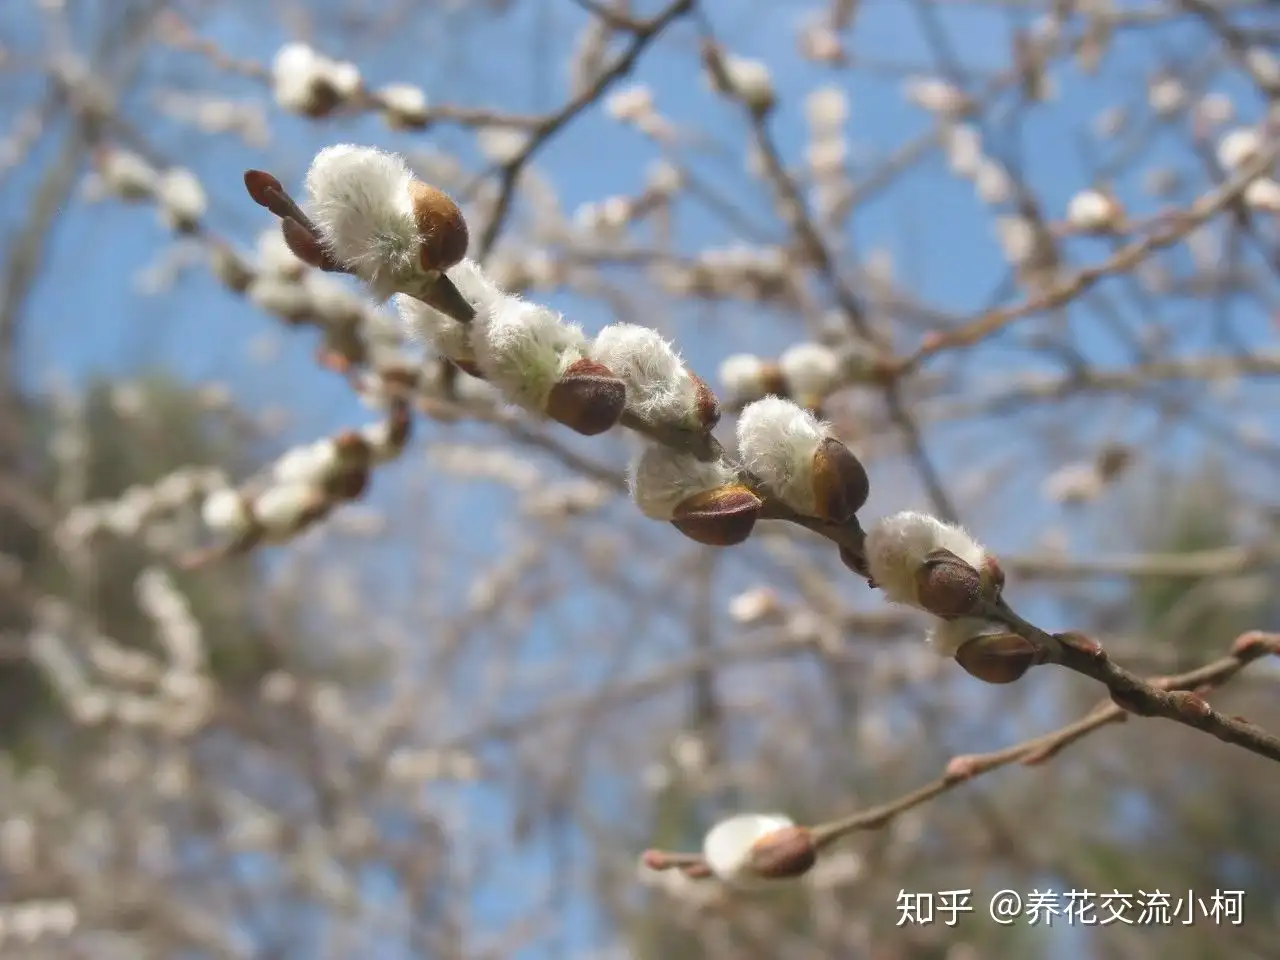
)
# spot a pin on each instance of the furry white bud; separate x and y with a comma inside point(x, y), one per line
point(309, 464)
point(225, 511)
point(751, 81)
point(127, 175)
point(964, 150)
point(777, 440)
point(181, 198)
point(1017, 237)
point(992, 182)
point(661, 479)
point(362, 204)
point(935, 95)
point(659, 388)
point(1166, 95)
point(385, 443)
point(1264, 67)
point(630, 103)
point(403, 104)
point(291, 301)
point(811, 371)
point(281, 509)
point(1238, 147)
point(1092, 211)
point(743, 376)
point(897, 547)
point(524, 349)
point(297, 74)
point(729, 845)
point(1263, 195)
point(826, 109)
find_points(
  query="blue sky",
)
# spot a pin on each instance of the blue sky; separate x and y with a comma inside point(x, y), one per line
point(88, 317)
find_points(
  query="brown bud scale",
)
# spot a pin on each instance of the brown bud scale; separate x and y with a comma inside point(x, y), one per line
point(587, 397)
point(708, 405)
point(440, 222)
point(946, 586)
point(840, 484)
point(997, 658)
point(723, 517)
point(783, 854)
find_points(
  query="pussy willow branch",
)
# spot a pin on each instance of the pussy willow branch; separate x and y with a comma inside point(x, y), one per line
point(1033, 752)
point(1130, 691)
point(643, 34)
point(1175, 228)
point(1085, 657)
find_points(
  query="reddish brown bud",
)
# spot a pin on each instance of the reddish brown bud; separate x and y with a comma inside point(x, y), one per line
point(265, 190)
point(441, 224)
point(1190, 705)
point(1078, 641)
point(1255, 643)
point(305, 245)
point(349, 484)
point(588, 398)
point(353, 449)
point(783, 854)
point(856, 562)
point(960, 768)
point(722, 517)
point(998, 657)
point(992, 578)
point(708, 405)
point(840, 484)
point(946, 586)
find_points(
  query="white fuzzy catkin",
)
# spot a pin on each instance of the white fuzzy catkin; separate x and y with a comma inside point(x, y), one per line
point(743, 376)
point(524, 349)
point(898, 545)
point(181, 198)
point(811, 370)
point(225, 511)
point(1263, 195)
point(659, 388)
point(280, 509)
point(425, 324)
point(777, 441)
point(403, 104)
point(729, 845)
point(361, 202)
point(751, 81)
point(661, 479)
point(1092, 211)
point(1238, 147)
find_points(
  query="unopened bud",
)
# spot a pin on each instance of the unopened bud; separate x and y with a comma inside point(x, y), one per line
point(840, 484)
point(1096, 212)
point(783, 854)
point(1081, 643)
point(1255, 643)
point(946, 586)
point(305, 245)
point(722, 517)
point(708, 407)
point(1190, 706)
point(992, 575)
point(441, 225)
point(997, 657)
point(587, 397)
